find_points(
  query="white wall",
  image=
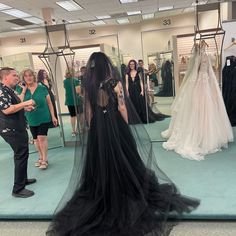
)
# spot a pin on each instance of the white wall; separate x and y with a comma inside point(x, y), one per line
point(230, 28)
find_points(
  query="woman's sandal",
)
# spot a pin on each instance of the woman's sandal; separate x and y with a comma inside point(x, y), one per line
point(38, 163)
point(43, 165)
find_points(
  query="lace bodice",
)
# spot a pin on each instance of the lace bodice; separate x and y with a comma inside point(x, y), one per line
point(107, 98)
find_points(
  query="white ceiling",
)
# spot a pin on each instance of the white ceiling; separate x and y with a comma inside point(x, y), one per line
point(91, 9)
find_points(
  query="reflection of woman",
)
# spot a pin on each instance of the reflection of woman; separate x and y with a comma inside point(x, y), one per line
point(73, 100)
point(135, 90)
point(39, 119)
point(166, 75)
point(117, 194)
point(153, 81)
point(42, 77)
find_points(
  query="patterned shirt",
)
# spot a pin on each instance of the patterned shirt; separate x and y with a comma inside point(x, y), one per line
point(5, 102)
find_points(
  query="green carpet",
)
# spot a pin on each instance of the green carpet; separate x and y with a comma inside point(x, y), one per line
point(212, 180)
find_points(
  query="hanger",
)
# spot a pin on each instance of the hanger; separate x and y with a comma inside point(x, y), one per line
point(233, 42)
point(203, 44)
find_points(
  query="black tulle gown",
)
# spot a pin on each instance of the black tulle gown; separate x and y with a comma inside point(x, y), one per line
point(145, 113)
point(119, 192)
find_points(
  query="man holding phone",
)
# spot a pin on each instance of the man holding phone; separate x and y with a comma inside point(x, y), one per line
point(13, 129)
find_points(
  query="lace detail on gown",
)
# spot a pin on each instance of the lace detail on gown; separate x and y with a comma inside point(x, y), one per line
point(199, 123)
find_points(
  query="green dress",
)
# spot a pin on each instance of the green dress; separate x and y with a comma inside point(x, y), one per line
point(70, 84)
point(41, 113)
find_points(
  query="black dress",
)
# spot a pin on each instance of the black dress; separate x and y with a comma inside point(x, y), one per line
point(118, 192)
point(167, 78)
point(145, 113)
point(229, 88)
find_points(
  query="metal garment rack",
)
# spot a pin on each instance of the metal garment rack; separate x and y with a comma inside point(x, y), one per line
point(64, 51)
point(202, 35)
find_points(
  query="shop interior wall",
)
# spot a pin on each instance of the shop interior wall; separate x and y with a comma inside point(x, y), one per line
point(136, 40)
point(228, 50)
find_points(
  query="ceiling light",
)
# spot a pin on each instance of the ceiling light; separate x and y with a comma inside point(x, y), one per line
point(148, 16)
point(69, 5)
point(199, 3)
point(123, 21)
point(18, 28)
point(127, 1)
point(130, 13)
point(103, 17)
point(4, 7)
point(98, 22)
point(188, 9)
point(16, 13)
point(34, 20)
point(28, 31)
point(74, 21)
point(166, 8)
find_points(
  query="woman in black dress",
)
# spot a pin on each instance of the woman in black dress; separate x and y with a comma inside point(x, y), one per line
point(116, 187)
point(135, 90)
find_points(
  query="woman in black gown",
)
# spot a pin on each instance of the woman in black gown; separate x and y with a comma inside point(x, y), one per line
point(135, 90)
point(116, 187)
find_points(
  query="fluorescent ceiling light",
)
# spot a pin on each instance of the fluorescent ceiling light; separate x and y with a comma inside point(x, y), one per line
point(127, 1)
point(199, 3)
point(18, 28)
point(29, 31)
point(98, 22)
point(16, 13)
point(189, 9)
point(34, 20)
point(4, 7)
point(130, 13)
point(103, 17)
point(69, 5)
point(166, 8)
point(123, 21)
point(148, 16)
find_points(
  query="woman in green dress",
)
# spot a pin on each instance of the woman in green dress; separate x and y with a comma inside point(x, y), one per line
point(40, 118)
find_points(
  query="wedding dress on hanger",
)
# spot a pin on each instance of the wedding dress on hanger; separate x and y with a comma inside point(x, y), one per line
point(199, 123)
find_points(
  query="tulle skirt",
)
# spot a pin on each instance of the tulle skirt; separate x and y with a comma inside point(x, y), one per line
point(119, 194)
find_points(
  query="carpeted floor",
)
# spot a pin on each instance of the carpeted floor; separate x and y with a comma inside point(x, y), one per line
point(211, 180)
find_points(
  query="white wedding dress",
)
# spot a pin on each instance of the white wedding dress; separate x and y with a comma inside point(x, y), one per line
point(199, 123)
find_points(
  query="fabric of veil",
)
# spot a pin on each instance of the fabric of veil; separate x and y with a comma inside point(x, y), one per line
point(116, 187)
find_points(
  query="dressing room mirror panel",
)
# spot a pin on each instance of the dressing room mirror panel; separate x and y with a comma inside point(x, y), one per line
point(158, 56)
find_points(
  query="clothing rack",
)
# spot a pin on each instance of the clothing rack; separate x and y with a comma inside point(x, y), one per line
point(211, 33)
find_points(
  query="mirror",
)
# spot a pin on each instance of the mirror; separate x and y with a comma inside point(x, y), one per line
point(20, 62)
point(82, 54)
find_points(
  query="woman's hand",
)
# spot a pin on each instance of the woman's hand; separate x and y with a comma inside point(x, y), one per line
point(54, 121)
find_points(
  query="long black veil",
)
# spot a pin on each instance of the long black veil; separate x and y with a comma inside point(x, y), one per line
point(116, 187)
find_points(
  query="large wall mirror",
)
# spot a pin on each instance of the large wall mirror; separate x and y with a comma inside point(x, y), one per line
point(158, 47)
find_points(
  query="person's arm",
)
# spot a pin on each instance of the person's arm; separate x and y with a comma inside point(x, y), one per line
point(78, 89)
point(88, 110)
point(127, 84)
point(22, 94)
point(51, 109)
point(17, 107)
point(141, 85)
point(121, 101)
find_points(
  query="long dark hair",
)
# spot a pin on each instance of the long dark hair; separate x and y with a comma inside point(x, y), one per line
point(128, 66)
point(40, 78)
point(99, 69)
